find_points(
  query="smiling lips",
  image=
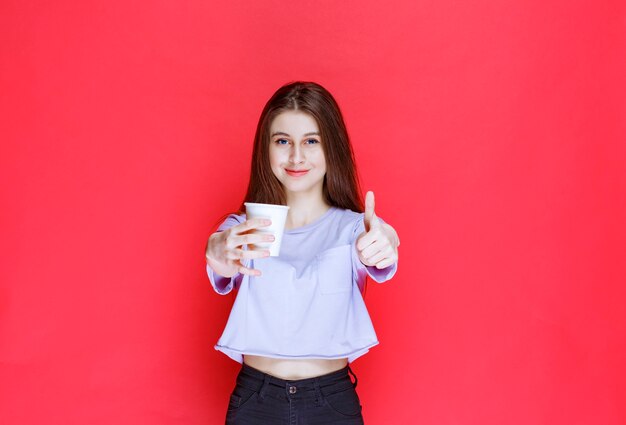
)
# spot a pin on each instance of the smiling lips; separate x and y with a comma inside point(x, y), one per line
point(296, 173)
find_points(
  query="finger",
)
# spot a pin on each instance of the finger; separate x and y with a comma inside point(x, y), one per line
point(247, 271)
point(250, 238)
point(252, 253)
point(385, 263)
point(369, 210)
point(375, 222)
point(240, 254)
point(376, 252)
point(253, 223)
point(367, 239)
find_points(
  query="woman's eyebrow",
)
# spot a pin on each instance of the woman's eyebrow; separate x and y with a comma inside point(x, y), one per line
point(280, 133)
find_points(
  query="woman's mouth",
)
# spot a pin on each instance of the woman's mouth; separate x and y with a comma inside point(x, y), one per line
point(296, 173)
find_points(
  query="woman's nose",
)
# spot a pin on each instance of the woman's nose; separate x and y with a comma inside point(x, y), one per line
point(296, 155)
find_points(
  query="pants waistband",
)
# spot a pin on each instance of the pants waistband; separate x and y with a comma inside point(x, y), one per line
point(265, 383)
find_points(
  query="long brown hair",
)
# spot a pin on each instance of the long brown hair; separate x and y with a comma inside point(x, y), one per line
point(341, 185)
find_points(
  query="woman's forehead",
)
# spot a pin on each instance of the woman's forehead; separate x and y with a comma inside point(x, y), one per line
point(294, 121)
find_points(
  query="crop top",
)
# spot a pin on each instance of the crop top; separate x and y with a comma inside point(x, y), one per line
point(307, 303)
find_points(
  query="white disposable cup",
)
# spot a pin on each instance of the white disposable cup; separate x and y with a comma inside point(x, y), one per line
point(278, 215)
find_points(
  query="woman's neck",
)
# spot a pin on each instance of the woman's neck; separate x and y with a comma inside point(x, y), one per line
point(304, 210)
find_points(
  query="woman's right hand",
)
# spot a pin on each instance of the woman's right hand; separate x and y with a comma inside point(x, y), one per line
point(224, 251)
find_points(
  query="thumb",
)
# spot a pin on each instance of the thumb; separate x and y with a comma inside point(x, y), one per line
point(369, 219)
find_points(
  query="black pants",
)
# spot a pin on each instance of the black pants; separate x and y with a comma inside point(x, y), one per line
point(262, 399)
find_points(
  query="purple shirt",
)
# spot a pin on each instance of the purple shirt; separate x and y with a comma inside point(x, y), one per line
point(307, 303)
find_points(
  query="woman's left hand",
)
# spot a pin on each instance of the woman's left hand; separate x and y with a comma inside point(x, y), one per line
point(378, 245)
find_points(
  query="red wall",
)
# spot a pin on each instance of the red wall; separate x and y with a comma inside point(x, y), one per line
point(492, 132)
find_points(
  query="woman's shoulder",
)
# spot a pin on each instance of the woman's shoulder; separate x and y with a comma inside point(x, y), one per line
point(348, 220)
point(348, 216)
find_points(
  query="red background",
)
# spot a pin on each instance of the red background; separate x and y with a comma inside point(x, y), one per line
point(492, 132)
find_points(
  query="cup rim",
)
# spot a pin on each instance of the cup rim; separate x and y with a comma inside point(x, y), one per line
point(266, 205)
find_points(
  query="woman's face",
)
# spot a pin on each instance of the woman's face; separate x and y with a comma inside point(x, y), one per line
point(296, 153)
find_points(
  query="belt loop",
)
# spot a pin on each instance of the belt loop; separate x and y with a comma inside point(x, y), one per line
point(266, 381)
point(318, 393)
point(355, 378)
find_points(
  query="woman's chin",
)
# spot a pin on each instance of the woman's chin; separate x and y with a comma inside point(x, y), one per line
point(299, 189)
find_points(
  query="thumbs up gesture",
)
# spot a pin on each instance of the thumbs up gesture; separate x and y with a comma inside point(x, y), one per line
point(378, 245)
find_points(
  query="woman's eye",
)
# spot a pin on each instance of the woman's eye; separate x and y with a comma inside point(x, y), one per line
point(312, 141)
point(281, 142)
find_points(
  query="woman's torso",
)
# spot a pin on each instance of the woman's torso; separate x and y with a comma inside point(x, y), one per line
point(304, 316)
point(294, 368)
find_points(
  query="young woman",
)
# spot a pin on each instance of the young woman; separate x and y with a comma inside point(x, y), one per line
point(299, 319)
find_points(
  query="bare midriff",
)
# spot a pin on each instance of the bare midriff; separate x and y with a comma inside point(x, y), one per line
point(294, 368)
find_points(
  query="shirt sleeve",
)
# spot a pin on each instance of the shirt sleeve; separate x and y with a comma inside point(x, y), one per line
point(379, 275)
point(223, 285)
